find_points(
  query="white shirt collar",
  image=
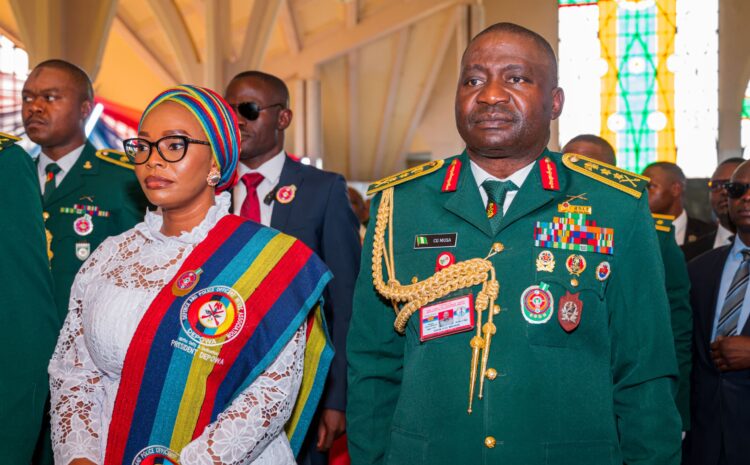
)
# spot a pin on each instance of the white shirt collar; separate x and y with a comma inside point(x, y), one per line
point(518, 179)
point(65, 163)
point(680, 227)
point(271, 170)
point(723, 236)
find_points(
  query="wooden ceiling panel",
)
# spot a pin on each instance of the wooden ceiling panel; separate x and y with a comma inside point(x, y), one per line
point(8, 25)
point(335, 115)
point(316, 18)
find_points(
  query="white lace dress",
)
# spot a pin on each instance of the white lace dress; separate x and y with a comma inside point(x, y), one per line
point(110, 294)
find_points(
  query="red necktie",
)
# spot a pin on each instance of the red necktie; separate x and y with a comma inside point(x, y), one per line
point(251, 206)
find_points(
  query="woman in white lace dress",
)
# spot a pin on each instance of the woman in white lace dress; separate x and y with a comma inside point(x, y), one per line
point(163, 357)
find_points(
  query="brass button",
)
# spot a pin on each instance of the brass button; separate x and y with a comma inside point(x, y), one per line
point(498, 247)
point(491, 374)
point(574, 282)
point(414, 280)
point(490, 442)
point(45, 215)
point(495, 309)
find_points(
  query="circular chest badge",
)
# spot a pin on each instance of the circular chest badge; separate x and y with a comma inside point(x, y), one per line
point(156, 455)
point(213, 316)
point(575, 264)
point(536, 305)
point(545, 261)
point(285, 194)
point(83, 226)
point(186, 282)
point(602, 271)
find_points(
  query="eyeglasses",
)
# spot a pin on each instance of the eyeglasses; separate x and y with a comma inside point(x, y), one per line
point(171, 148)
point(736, 190)
point(715, 185)
point(251, 110)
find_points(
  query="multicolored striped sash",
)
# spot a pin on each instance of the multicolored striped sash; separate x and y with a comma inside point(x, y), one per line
point(235, 303)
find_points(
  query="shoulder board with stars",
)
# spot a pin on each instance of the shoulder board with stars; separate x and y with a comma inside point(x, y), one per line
point(663, 222)
point(6, 140)
point(114, 157)
point(612, 176)
point(403, 176)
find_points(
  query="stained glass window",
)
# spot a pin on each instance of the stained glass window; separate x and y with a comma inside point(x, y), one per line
point(643, 74)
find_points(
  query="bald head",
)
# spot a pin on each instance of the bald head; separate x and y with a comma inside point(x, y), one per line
point(591, 146)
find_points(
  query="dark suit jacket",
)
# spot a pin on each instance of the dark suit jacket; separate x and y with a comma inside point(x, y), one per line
point(720, 402)
point(320, 216)
point(697, 238)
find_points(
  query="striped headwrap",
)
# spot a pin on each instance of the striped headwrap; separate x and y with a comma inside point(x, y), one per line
point(217, 120)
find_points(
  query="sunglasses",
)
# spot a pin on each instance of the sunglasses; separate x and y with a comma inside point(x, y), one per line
point(716, 185)
point(251, 110)
point(736, 190)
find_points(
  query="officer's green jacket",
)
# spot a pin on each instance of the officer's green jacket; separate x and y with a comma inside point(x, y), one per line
point(600, 395)
point(104, 185)
point(678, 292)
point(27, 307)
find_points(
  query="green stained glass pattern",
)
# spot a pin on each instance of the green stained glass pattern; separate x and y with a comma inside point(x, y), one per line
point(576, 2)
point(746, 108)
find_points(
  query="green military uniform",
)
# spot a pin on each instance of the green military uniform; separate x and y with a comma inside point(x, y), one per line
point(600, 392)
point(27, 306)
point(99, 197)
point(678, 292)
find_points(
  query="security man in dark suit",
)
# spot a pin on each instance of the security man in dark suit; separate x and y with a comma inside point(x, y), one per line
point(26, 306)
point(721, 371)
point(87, 195)
point(309, 204)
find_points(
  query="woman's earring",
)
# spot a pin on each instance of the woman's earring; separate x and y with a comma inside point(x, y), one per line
point(213, 177)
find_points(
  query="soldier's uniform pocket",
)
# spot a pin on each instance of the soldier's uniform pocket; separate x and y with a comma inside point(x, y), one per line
point(406, 447)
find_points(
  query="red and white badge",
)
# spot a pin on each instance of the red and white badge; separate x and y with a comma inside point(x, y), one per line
point(446, 317)
point(285, 194)
point(444, 260)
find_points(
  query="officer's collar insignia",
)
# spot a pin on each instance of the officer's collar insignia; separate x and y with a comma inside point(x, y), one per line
point(610, 175)
point(406, 175)
point(114, 157)
point(6, 140)
point(663, 222)
point(451, 176)
point(87, 165)
point(548, 171)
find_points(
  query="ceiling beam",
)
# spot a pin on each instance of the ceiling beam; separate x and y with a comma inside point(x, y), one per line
point(369, 29)
point(147, 54)
point(397, 68)
point(352, 66)
point(217, 44)
point(183, 45)
point(258, 32)
point(289, 26)
point(351, 13)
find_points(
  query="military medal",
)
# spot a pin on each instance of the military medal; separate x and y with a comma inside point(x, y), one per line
point(83, 226)
point(545, 261)
point(602, 271)
point(537, 304)
point(569, 314)
point(447, 317)
point(286, 194)
point(575, 264)
point(83, 250)
point(444, 260)
point(186, 282)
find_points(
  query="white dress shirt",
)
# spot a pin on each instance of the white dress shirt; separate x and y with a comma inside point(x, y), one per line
point(723, 237)
point(730, 268)
point(65, 163)
point(271, 171)
point(518, 178)
point(680, 227)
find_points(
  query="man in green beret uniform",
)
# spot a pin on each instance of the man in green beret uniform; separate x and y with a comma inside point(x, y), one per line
point(511, 306)
point(26, 305)
point(675, 273)
point(87, 195)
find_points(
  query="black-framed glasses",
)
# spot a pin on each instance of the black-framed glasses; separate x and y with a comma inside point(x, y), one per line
point(251, 110)
point(736, 190)
point(715, 185)
point(171, 148)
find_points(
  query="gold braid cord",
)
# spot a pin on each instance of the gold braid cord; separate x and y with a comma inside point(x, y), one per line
point(457, 276)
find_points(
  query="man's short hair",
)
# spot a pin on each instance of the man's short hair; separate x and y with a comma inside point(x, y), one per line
point(602, 143)
point(275, 83)
point(81, 80)
point(737, 160)
point(512, 28)
point(674, 172)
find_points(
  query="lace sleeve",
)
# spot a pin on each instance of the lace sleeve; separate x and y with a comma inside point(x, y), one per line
point(75, 388)
point(256, 417)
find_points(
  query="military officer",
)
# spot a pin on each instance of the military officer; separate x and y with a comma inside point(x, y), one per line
point(26, 304)
point(88, 195)
point(509, 308)
point(675, 272)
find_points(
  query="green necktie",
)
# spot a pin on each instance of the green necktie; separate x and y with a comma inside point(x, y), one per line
point(50, 183)
point(496, 191)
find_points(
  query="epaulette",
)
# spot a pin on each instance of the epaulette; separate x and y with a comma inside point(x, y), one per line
point(403, 176)
point(610, 175)
point(663, 222)
point(115, 157)
point(6, 140)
